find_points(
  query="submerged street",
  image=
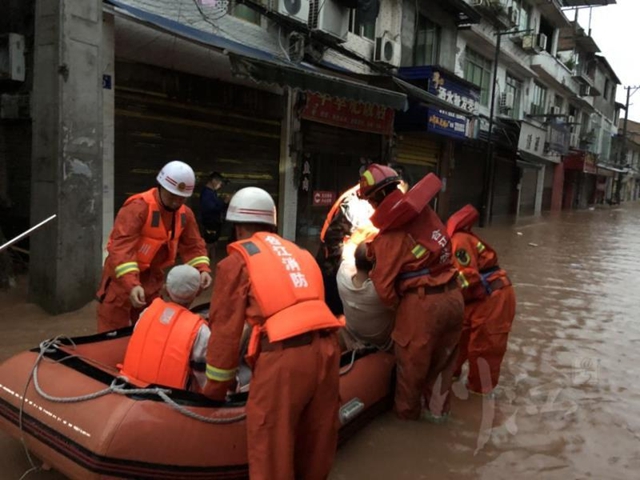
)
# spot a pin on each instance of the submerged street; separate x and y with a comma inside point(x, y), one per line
point(568, 405)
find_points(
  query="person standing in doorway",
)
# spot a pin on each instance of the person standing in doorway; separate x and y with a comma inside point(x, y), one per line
point(212, 208)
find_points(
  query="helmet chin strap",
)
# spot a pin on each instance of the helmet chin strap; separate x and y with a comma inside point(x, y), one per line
point(169, 209)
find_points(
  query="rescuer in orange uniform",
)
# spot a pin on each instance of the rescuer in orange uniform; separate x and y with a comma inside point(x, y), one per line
point(276, 287)
point(150, 230)
point(490, 303)
point(168, 338)
point(413, 271)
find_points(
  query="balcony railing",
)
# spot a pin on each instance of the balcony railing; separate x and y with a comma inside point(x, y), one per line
point(553, 70)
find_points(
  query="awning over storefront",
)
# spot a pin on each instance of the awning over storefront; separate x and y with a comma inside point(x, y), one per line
point(264, 67)
point(611, 168)
point(428, 98)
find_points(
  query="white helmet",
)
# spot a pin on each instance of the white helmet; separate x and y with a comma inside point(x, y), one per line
point(252, 205)
point(178, 178)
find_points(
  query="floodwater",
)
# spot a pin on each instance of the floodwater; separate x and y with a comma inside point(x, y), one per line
point(568, 404)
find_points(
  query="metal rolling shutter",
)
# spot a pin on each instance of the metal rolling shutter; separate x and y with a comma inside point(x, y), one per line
point(162, 115)
point(504, 190)
point(528, 187)
point(415, 149)
point(466, 179)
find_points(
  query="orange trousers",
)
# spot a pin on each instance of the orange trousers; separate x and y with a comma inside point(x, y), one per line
point(292, 412)
point(115, 309)
point(485, 333)
point(426, 336)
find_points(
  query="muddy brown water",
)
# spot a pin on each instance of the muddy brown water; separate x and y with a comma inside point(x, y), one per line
point(568, 404)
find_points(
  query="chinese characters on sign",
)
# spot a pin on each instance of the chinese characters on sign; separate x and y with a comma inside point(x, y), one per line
point(447, 123)
point(351, 114)
point(306, 173)
point(323, 198)
point(532, 139)
point(456, 95)
point(298, 278)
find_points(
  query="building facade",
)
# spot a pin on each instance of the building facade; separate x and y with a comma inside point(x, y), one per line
point(296, 98)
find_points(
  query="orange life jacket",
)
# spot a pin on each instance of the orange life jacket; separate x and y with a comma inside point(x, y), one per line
point(159, 351)
point(154, 233)
point(287, 284)
point(477, 264)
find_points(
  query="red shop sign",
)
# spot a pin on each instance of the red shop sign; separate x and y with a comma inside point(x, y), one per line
point(323, 198)
point(350, 114)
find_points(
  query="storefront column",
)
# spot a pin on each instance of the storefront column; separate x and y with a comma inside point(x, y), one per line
point(557, 190)
point(288, 191)
point(67, 157)
point(539, 191)
point(108, 132)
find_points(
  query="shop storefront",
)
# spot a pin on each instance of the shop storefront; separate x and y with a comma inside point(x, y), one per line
point(440, 116)
point(338, 139)
point(162, 115)
point(580, 179)
point(540, 150)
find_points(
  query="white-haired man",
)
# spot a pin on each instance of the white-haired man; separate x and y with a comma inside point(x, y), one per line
point(169, 339)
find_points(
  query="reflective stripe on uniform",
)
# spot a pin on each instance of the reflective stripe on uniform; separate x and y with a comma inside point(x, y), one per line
point(199, 260)
point(220, 374)
point(418, 251)
point(464, 283)
point(481, 247)
point(125, 268)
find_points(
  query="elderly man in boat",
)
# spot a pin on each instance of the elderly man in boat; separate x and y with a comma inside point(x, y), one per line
point(168, 338)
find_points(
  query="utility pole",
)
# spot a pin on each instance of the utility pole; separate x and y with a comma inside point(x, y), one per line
point(489, 171)
point(487, 196)
point(622, 151)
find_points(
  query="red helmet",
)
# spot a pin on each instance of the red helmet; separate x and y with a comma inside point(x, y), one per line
point(375, 178)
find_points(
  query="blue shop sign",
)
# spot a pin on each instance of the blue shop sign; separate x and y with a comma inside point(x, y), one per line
point(446, 123)
point(445, 85)
point(435, 117)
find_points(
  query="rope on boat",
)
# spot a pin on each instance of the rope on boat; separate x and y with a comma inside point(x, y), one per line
point(350, 366)
point(118, 387)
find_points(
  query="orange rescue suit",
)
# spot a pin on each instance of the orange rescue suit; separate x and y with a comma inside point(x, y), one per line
point(292, 409)
point(159, 351)
point(146, 238)
point(489, 310)
point(413, 270)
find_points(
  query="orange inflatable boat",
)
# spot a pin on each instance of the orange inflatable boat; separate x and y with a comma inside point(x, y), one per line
point(76, 415)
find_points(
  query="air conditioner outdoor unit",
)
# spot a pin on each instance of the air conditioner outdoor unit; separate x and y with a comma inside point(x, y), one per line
point(530, 42)
point(507, 101)
point(12, 65)
point(329, 17)
point(554, 110)
point(387, 51)
point(295, 9)
point(571, 119)
point(542, 41)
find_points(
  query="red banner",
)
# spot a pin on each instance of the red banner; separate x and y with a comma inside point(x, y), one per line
point(350, 114)
point(323, 198)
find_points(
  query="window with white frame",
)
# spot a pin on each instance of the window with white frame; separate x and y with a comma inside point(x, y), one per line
point(427, 42)
point(477, 70)
point(538, 99)
point(524, 14)
point(358, 25)
point(514, 87)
